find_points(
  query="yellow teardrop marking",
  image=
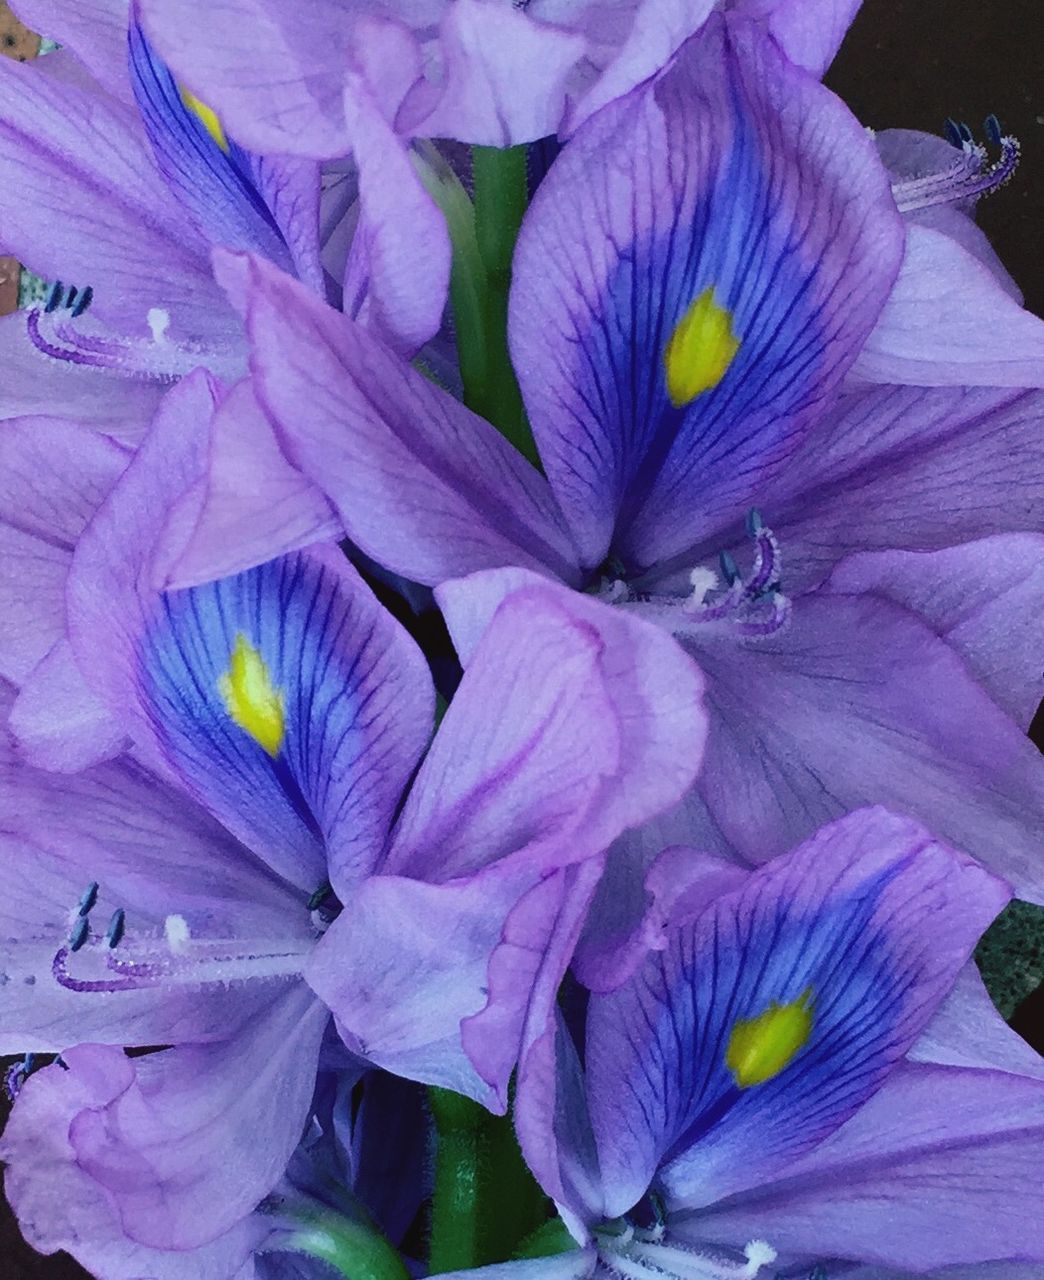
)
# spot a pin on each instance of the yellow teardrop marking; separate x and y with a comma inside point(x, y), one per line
point(251, 699)
point(760, 1048)
point(702, 347)
point(207, 115)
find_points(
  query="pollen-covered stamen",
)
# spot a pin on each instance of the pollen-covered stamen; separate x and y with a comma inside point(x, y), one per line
point(642, 1257)
point(750, 606)
point(970, 175)
point(92, 345)
point(173, 958)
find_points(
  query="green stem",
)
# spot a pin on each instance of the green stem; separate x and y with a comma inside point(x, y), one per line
point(456, 1217)
point(483, 235)
point(485, 1200)
point(357, 1251)
point(501, 196)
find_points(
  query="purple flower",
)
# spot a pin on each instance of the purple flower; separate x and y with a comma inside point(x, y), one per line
point(708, 284)
point(117, 181)
point(761, 1097)
point(53, 1183)
point(476, 70)
point(262, 833)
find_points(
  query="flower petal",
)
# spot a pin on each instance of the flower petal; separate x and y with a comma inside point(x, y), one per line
point(967, 1032)
point(950, 1159)
point(95, 31)
point(985, 599)
point(60, 1207)
point(58, 721)
point(81, 201)
point(408, 962)
point(276, 78)
point(209, 173)
point(738, 209)
point(255, 505)
point(55, 475)
point(292, 706)
point(857, 935)
point(284, 698)
point(950, 323)
point(487, 47)
point(599, 729)
point(423, 485)
point(808, 33)
point(920, 468)
point(398, 273)
point(204, 1132)
point(858, 702)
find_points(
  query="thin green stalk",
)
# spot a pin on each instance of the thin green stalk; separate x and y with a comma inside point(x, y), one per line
point(501, 196)
point(483, 236)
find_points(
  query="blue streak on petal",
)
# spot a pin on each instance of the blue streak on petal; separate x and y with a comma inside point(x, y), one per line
point(319, 650)
point(213, 182)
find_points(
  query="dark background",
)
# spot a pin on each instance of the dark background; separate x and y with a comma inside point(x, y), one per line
point(907, 63)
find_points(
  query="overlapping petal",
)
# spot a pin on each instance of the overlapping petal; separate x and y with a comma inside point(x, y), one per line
point(421, 483)
point(284, 698)
point(60, 1207)
point(949, 1157)
point(856, 702)
point(82, 201)
point(734, 178)
point(829, 929)
point(917, 468)
point(202, 1133)
point(209, 173)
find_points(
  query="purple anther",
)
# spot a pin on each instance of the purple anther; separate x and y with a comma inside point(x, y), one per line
point(767, 562)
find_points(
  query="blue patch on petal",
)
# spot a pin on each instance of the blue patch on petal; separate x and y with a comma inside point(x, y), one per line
point(268, 693)
point(209, 173)
point(777, 1013)
point(738, 247)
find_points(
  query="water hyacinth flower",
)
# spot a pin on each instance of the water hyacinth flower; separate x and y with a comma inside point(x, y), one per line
point(261, 829)
point(749, 1104)
point(712, 290)
point(479, 71)
point(118, 184)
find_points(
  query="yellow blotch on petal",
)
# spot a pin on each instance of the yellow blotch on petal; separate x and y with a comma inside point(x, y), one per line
point(251, 699)
point(208, 116)
point(701, 349)
point(759, 1048)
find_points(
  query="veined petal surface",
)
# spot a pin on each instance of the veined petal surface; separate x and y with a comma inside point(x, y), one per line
point(780, 1010)
point(676, 320)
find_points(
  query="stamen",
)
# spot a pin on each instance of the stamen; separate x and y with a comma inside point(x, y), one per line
point(968, 177)
point(115, 931)
point(753, 606)
point(157, 358)
point(646, 1258)
point(81, 931)
point(88, 899)
point(83, 302)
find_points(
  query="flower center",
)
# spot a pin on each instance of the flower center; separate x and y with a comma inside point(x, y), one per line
point(727, 601)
